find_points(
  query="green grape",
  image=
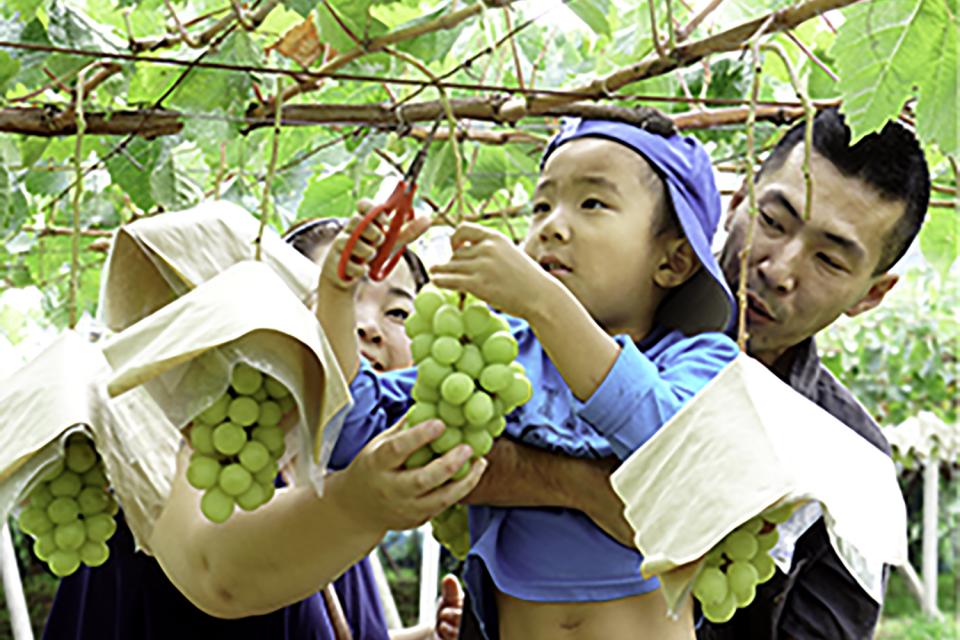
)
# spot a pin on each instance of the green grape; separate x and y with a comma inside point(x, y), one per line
point(476, 319)
point(500, 348)
point(234, 479)
point(480, 441)
point(41, 496)
point(768, 540)
point(80, 457)
point(272, 438)
point(518, 368)
point(478, 409)
point(275, 388)
point(112, 506)
point(216, 505)
point(418, 458)
point(245, 380)
point(203, 472)
point(471, 361)
point(270, 414)
point(44, 546)
point(496, 426)
point(96, 477)
point(254, 456)
point(68, 484)
point(450, 438)
point(423, 393)
point(740, 545)
point(421, 412)
point(715, 557)
point(462, 472)
point(268, 473)
point(229, 438)
point(416, 324)
point(741, 575)
point(53, 472)
point(721, 611)
point(428, 300)
point(261, 395)
point(70, 536)
point(244, 411)
point(710, 586)
point(496, 325)
point(764, 565)
point(421, 346)
point(35, 521)
point(94, 554)
point(63, 563)
point(268, 491)
point(778, 515)
point(100, 527)
point(63, 510)
point(744, 598)
point(753, 525)
point(448, 322)
point(432, 372)
point(496, 377)
point(456, 388)
point(93, 500)
point(451, 414)
point(201, 439)
point(216, 412)
point(446, 350)
point(517, 393)
point(287, 403)
point(252, 498)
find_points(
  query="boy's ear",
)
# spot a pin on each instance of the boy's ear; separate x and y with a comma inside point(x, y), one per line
point(677, 265)
point(735, 201)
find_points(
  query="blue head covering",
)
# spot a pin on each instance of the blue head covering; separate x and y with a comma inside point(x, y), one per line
point(704, 302)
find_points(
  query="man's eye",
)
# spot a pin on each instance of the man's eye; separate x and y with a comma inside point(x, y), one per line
point(402, 314)
point(540, 208)
point(830, 262)
point(593, 203)
point(769, 221)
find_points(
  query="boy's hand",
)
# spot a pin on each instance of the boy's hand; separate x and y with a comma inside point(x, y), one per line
point(488, 265)
point(449, 609)
point(386, 496)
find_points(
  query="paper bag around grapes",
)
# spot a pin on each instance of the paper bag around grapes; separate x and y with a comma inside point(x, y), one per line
point(55, 401)
point(744, 444)
point(186, 354)
point(155, 260)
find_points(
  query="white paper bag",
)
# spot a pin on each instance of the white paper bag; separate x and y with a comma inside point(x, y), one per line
point(745, 443)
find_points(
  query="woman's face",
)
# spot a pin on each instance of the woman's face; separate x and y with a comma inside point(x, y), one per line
point(381, 308)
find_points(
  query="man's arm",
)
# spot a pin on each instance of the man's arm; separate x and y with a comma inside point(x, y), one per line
point(522, 476)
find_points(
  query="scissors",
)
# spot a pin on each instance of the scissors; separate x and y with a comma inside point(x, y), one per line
point(400, 207)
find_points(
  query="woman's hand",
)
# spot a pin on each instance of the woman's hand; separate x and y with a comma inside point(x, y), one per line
point(488, 265)
point(383, 495)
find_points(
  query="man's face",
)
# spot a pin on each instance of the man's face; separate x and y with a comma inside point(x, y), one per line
point(594, 217)
point(802, 274)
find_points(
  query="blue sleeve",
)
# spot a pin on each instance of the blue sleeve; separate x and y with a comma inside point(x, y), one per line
point(639, 395)
point(379, 401)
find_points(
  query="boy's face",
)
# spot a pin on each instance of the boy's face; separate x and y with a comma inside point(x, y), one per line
point(802, 274)
point(595, 214)
point(381, 309)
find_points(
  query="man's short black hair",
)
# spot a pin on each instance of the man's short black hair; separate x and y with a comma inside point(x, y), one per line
point(890, 161)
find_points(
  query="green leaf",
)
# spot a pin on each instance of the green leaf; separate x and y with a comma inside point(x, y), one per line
point(8, 69)
point(489, 173)
point(170, 185)
point(331, 195)
point(883, 50)
point(132, 170)
point(303, 7)
point(593, 13)
point(939, 95)
point(939, 240)
point(31, 149)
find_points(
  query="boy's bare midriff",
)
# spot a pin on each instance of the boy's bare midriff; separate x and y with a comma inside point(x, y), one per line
point(642, 617)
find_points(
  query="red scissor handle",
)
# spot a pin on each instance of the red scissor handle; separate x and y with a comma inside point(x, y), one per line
point(400, 206)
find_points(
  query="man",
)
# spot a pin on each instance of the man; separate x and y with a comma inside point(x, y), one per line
point(868, 203)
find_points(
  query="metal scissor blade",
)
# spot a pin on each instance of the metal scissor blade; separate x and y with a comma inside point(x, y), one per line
point(411, 175)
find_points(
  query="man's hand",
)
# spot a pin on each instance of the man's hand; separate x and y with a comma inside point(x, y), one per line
point(483, 260)
point(383, 495)
point(449, 609)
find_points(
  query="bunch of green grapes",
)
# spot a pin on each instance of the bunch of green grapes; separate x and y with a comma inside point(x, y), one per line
point(467, 377)
point(237, 442)
point(739, 563)
point(70, 513)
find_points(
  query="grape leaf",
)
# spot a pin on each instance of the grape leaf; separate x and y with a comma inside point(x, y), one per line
point(489, 173)
point(303, 7)
point(593, 13)
point(170, 185)
point(330, 195)
point(9, 67)
point(939, 239)
point(939, 95)
point(883, 50)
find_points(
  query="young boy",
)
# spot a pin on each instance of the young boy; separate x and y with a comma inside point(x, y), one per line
point(613, 284)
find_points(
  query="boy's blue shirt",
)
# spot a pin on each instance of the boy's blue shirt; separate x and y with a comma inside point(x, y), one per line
point(553, 554)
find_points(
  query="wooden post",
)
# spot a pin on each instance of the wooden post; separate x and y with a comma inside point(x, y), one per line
point(13, 588)
point(931, 479)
